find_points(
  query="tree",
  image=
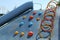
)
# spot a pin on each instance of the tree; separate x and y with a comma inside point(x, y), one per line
point(58, 4)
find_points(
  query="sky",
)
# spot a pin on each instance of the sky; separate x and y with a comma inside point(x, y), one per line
point(9, 5)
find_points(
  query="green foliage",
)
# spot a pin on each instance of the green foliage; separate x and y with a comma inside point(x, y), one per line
point(58, 4)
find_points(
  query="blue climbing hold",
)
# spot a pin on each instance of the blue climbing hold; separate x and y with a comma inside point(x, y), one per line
point(30, 24)
point(21, 23)
point(39, 13)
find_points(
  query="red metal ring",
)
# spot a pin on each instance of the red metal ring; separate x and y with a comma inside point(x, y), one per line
point(50, 25)
point(47, 14)
point(51, 15)
point(50, 11)
point(45, 23)
point(46, 30)
point(49, 4)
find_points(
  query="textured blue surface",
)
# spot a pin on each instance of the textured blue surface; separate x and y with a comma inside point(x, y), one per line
point(7, 32)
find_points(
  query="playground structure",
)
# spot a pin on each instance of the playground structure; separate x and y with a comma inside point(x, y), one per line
point(46, 26)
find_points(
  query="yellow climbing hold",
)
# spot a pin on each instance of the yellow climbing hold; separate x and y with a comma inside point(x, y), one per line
point(16, 32)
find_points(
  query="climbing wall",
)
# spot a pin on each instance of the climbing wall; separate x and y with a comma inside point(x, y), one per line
point(32, 25)
point(24, 27)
